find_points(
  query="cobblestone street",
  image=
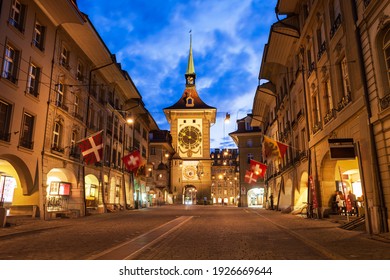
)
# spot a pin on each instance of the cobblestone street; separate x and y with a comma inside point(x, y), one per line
point(212, 232)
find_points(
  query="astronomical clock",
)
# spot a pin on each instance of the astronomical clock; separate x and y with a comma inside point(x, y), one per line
point(190, 171)
point(190, 142)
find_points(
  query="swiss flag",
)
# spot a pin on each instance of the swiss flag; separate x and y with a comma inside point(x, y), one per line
point(92, 148)
point(132, 161)
point(250, 177)
point(258, 168)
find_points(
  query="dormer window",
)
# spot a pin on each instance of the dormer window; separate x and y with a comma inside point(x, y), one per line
point(189, 100)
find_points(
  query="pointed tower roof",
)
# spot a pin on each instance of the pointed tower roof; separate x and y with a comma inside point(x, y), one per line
point(190, 98)
point(190, 65)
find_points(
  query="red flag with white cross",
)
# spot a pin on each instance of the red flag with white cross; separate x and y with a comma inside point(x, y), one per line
point(250, 177)
point(92, 148)
point(132, 161)
point(258, 168)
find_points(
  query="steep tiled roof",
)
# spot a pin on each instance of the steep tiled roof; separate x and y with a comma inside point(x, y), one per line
point(190, 92)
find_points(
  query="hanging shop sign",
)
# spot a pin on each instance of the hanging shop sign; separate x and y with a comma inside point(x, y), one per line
point(341, 148)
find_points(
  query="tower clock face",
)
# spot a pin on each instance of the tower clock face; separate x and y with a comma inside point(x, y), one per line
point(190, 137)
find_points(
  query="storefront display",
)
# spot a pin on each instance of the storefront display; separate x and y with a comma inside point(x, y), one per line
point(58, 197)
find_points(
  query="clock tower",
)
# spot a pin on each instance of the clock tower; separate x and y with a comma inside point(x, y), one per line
point(190, 120)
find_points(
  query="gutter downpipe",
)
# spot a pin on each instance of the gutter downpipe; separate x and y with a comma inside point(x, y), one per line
point(383, 227)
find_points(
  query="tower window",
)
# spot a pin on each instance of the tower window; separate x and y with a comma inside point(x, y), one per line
point(190, 102)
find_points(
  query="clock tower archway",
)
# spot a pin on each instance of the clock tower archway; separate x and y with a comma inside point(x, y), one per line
point(190, 120)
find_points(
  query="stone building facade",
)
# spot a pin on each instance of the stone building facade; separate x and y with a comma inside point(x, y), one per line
point(59, 85)
point(323, 97)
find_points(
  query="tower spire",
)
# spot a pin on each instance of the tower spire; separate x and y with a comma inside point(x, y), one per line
point(190, 66)
point(190, 73)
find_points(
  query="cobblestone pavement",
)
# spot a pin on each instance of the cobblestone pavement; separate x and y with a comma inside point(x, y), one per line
point(324, 236)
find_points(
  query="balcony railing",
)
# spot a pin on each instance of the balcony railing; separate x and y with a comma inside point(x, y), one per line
point(321, 50)
point(331, 114)
point(317, 127)
point(385, 102)
point(312, 66)
point(300, 114)
point(57, 148)
point(335, 26)
point(344, 102)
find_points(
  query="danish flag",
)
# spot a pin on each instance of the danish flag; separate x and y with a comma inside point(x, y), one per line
point(92, 148)
point(132, 161)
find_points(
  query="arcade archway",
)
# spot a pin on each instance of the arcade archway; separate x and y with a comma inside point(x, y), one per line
point(256, 197)
point(62, 192)
point(189, 195)
point(16, 183)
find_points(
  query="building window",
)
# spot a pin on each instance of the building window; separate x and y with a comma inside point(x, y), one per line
point(144, 134)
point(249, 157)
point(303, 140)
point(17, 15)
point(310, 61)
point(26, 137)
point(80, 71)
point(119, 160)
point(248, 126)
point(328, 95)
point(321, 41)
point(76, 107)
point(60, 94)
point(121, 130)
point(91, 120)
point(74, 149)
point(5, 120)
point(100, 120)
point(11, 62)
point(116, 127)
point(57, 134)
point(64, 59)
point(33, 79)
point(335, 17)
point(114, 154)
point(345, 76)
point(328, 101)
point(316, 115)
point(386, 53)
point(143, 153)
point(39, 35)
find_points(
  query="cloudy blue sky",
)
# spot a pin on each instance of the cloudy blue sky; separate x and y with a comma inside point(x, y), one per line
point(151, 41)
